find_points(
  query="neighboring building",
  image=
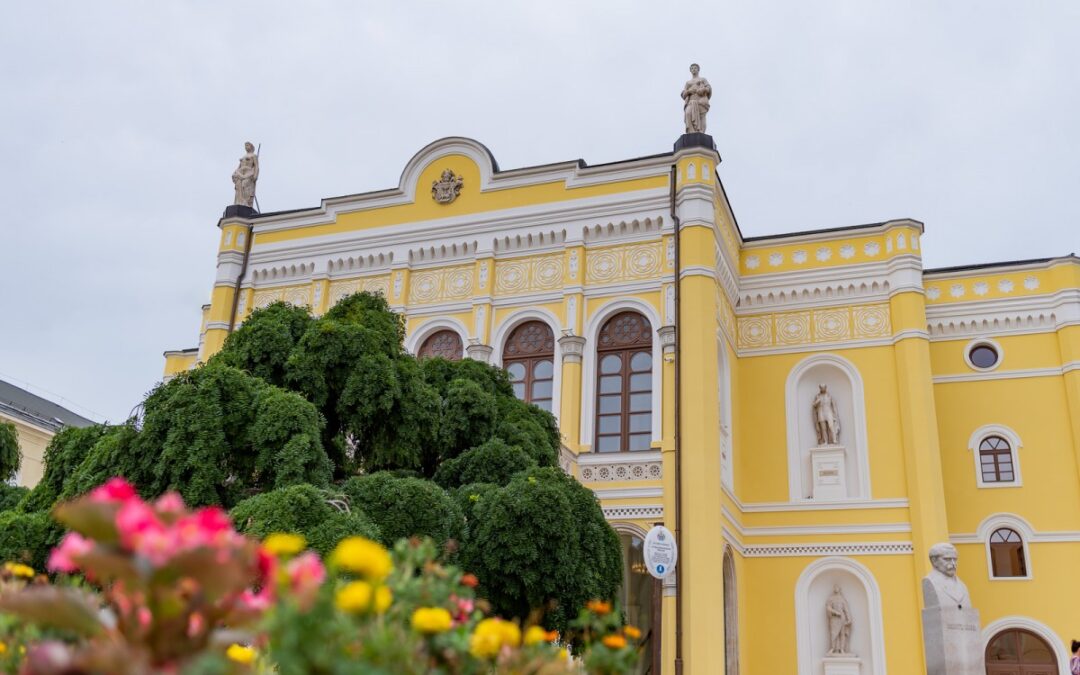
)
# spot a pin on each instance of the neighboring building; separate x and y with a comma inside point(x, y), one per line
point(956, 392)
point(37, 420)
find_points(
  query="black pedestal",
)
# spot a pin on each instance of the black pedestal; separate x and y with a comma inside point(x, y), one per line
point(239, 211)
point(695, 140)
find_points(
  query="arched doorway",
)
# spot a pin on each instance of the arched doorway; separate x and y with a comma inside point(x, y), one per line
point(731, 617)
point(1019, 652)
point(638, 598)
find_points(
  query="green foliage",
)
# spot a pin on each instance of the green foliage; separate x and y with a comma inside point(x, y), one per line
point(28, 537)
point(65, 452)
point(263, 343)
point(11, 495)
point(530, 428)
point(468, 413)
point(492, 462)
point(542, 541)
point(302, 509)
point(406, 507)
point(373, 312)
point(10, 457)
point(113, 454)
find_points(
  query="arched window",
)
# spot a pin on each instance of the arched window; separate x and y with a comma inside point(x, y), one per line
point(529, 359)
point(1010, 650)
point(624, 384)
point(1007, 554)
point(995, 460)
point(444, 343)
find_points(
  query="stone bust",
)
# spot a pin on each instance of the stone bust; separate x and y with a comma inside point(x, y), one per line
point(942, 588)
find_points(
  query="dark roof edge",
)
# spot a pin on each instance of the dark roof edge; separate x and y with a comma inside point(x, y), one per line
point(1006, 263)
point(803, 233)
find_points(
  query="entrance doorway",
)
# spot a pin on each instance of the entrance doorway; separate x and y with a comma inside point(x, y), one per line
point(1019, 652)
point(731, 617)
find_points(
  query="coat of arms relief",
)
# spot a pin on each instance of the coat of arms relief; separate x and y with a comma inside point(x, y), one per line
point(447, 188)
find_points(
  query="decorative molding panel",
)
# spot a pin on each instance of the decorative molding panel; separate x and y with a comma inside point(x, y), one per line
point(799, 550)
point(440, 285)
point(339, 289)
point(634, 262)
point(621, 471)
point(817, 326)
point(644, 512)
point(529, 275)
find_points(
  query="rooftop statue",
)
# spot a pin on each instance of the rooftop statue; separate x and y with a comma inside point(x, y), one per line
point(245, 176)
point(696, 94)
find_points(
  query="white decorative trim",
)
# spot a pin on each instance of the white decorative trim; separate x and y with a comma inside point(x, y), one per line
point(620, 471)
point(804, 550)
point(1015, 444)
point(815, 530)
point(803, 612)
point(628, 493)
point(629, 457)
point(634, 512)
point(588, 371)
point(431, 326)
point(1005, 316)
point(1006, 374)
point(842, 505)
point(1026, 623)
point(993, 344)
point(859, 446)
point(515, 319)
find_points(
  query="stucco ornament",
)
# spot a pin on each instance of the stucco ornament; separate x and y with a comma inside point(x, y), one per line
point(838, 613)
point(826, 417)
point(447, 188)
point(245, 177)
point(942, 588)
point(696, 94)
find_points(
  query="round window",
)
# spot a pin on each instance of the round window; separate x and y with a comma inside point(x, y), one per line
point(983, 356)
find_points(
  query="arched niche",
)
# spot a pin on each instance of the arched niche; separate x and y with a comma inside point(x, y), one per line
point(845, 385)
point(860, 589)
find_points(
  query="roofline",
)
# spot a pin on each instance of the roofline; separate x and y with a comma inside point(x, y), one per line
point(831, 230)
point(1007, 263)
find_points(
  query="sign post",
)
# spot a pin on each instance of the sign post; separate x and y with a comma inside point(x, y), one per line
point(661, 551)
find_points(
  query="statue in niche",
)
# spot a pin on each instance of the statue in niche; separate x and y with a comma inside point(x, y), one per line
point(839, 614)
point(696, 94)
point(826, 417)
point(942, 588)
point(245, 177)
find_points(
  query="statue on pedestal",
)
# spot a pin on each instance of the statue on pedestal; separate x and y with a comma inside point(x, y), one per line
point(245, 177)
point(840, 621)
point(951, 628)
point(942, 588)
point(826, 417)
point(696, 94)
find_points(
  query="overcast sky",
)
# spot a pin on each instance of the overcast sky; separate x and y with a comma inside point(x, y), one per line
point(121, 123)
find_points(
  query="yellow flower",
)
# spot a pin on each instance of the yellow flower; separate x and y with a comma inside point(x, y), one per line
point(535, 635)
point(19, 570)
point(431, 620)
point(631, 632)
point(383, 598)
point(364, 557)
point(564, 655)
point(240, 653)
point(614, 641)
point(354, 598)
point(491, 635)
point(3, 648)
point(283, 544)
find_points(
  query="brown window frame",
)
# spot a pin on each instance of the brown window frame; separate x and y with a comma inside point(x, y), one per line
point(519, 350)
point(451, 352)
point(998, 451)
point(1007, 550)
point(613, 342)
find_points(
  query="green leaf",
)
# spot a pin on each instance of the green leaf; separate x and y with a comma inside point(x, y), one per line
point(56, 607)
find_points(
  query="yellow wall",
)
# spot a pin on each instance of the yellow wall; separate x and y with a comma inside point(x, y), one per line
point(32, 443)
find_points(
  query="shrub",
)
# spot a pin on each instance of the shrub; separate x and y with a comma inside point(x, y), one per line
point(493, 462)
point(10, 457)
point(301, 509)
point(406, 507)
point(28, 537)
point(11, 495)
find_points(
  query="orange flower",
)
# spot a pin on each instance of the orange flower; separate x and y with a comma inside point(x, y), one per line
point(470, 580)
point(598, 607)
point(631, 632)
point(614, 641)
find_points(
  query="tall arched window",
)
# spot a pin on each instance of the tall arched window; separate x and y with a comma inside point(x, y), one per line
point(444, 343)
point(624, 384)
point(995, 460)
point(529, 359)
point(1007, 554)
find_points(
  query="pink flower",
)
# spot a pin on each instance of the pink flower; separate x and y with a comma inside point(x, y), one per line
point(114, 490)
point(72, 546)
point(196, 624)
point(144, 616)
point(256, 602)
point(306, 574)
point(135, 521)
point(170, 502)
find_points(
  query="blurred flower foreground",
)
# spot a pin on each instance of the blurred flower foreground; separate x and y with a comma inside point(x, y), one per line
point(152, 587)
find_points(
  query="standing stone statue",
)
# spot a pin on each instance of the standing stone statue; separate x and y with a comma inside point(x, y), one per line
point(839, 614)
point(951, 628)
point(245, 177)
point(826, 417)
point(696, 94)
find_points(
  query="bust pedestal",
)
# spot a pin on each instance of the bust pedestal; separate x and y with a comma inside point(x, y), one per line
point(847, 664)
point(828, 468)
point(953, 641)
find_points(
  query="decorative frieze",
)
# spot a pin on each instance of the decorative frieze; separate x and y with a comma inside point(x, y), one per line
point(529, 275)
point(634, 262)
point(440, 285)
point(644, 512)
point(621, 471)
point(818, 326)
point(798, 550)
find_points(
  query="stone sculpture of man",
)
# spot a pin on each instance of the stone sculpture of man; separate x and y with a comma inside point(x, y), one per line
point(696, 94)
point(245, 177)
point(942, 588)
point(826, 417)
point(840, 621)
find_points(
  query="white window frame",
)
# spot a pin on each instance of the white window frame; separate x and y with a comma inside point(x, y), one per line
point(1015, 444)
point(989, 343)
point(1015, 523)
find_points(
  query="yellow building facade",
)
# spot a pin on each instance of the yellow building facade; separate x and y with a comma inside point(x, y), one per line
point(36, 420)
point(683, 362)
